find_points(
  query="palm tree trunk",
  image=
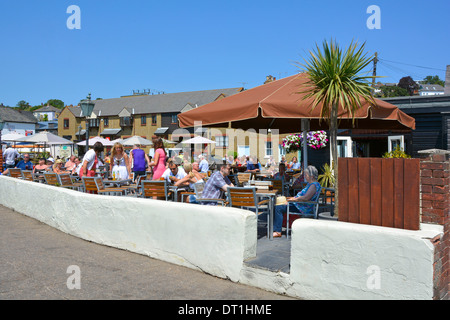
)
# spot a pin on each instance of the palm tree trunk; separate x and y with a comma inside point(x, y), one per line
point(334, 154)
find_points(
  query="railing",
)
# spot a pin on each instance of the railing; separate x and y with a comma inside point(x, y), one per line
point(382, 192)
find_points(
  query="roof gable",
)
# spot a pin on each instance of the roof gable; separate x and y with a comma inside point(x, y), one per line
point(8, 114)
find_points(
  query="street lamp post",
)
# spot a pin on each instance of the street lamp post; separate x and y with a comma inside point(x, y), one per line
point(87, 106)
point(2, 124)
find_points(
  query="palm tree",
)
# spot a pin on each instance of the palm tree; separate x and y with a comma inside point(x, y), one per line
point(336, 80)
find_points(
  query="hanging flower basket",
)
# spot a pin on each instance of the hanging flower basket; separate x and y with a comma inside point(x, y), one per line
point(317, 139)
point(314, 139)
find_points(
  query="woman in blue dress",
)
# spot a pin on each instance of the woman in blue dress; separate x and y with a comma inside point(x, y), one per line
point(310, 193)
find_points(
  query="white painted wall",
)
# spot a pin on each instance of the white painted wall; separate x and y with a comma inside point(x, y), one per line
point(337, 260)
point(211, 239)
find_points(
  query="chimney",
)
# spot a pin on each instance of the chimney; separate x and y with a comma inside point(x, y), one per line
point(447, 81)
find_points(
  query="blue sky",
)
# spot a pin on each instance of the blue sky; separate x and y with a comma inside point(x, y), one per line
point(176, 46)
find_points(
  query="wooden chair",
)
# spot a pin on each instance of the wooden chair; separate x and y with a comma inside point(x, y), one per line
point(89, 185)
point(65, 180)
point(246, 198)
point(242, 178)
point(326, 201)
point(136, 187)
point(154, 189)
point(102, 189)
point(51, 178)
point(280, 185)
point(15, 173)
point(28, 175)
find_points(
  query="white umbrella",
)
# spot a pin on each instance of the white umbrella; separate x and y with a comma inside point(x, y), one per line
point(198, 140)
point(12, 137)
point(45, 138)
point(137, 140)
point(117, 140)
point(92, 141)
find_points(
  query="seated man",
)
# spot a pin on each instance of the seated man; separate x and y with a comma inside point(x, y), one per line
point(217, 184)
point(310, 193)
point(173, 173)
point(25, 164)
point(252, 165)
point(281, 174)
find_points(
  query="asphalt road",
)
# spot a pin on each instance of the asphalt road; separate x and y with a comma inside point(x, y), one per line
point(38, 262)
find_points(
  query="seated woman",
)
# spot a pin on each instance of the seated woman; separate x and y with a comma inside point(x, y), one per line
point(192, 177)
point(310, 193)
point(58, 167)
point(41, 166)
point(294, 164)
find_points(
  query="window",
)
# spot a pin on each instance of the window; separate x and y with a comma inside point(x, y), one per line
point(125, 122)
point(66, 123)
point(105, 122)
point(143, 120)
point(344, 147)
point(174, 118)
point(269, 148)
point(396, 141)
point(94, 123)
point(222, 141)
point(281, 150)
point(154, 120)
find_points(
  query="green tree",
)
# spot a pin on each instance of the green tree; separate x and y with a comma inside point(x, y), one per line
point(392, 91)
point(336, 80)
point(56, 103)
point(434, 80)
point(22, 105)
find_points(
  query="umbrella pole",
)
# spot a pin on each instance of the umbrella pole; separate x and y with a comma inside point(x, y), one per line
point(305, 128)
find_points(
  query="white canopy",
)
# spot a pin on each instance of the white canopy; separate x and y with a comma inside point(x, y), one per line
point(137, 140)
point(198, 140)
point(45, 138)
point(92, 141)
point(12, 137)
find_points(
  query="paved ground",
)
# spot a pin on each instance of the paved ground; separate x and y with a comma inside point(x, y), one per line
point(34, 262)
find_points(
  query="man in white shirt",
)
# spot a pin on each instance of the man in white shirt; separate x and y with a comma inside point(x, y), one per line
point(203, 165)
point(174, 173)
point(10, 156)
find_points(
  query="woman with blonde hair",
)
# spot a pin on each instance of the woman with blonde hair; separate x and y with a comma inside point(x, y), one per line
point(192, 177)
point(119, 165)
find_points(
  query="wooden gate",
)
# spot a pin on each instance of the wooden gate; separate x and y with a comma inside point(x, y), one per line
point(381, 192)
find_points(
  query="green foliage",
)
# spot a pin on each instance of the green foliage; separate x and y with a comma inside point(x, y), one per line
point(434, 80)
point(337, 78)
point(396, 153)
point(327, 179)
point(392, 91)
point(56, 103)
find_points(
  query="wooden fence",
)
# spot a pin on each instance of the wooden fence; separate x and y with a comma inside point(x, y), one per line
point(381, 192)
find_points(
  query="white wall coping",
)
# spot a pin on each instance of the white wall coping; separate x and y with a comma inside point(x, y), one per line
point(340, 260)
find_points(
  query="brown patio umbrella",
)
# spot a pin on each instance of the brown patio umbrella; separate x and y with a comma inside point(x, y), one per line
point(276, 105)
